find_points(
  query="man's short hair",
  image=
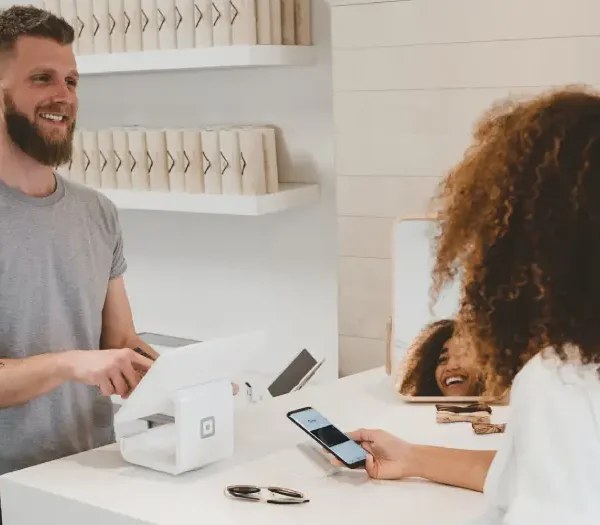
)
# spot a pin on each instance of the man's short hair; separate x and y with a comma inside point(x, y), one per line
point(22, 20)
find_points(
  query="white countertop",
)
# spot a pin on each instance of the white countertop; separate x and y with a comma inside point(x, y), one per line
point(98, 487)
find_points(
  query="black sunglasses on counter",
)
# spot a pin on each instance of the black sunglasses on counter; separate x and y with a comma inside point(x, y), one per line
point(275, 495)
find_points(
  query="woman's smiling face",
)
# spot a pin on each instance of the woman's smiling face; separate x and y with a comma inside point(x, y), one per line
point(456, 373)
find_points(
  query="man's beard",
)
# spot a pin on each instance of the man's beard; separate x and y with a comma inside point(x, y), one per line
point(30, 139)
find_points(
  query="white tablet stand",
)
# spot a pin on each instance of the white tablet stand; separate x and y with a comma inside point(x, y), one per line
point(193, 384)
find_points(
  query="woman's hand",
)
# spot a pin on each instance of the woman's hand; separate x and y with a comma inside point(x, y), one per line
point(388, 457)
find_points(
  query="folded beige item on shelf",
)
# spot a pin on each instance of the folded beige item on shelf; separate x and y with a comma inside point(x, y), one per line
point(476, 413)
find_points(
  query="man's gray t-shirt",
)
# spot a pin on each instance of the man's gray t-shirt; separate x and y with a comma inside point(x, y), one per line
point(57, 255)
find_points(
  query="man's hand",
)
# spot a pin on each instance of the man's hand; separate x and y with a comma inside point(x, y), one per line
point(116, 371)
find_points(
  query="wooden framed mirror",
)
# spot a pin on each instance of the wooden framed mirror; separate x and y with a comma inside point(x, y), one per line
point(427, 359)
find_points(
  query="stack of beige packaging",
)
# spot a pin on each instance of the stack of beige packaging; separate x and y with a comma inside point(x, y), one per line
point(117, 26)
point(231, 160)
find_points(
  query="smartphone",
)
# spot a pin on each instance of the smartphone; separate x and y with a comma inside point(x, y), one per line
point(328, 436)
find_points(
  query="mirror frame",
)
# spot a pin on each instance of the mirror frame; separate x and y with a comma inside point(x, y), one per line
point(391, 335)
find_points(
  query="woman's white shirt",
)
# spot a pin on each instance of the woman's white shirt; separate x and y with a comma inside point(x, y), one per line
point(548, 469)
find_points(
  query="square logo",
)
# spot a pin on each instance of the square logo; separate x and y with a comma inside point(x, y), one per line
point(207, 427)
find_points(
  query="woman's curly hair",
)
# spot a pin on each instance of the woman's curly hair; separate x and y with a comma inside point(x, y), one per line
point(417, 375)
point(520, 225)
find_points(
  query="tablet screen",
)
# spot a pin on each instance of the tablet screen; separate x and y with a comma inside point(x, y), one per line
point(303, 363)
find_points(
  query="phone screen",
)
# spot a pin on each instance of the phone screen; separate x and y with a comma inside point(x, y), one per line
point(321, 429)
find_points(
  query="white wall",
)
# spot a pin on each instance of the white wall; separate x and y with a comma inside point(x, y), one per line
point(206, 276)
point(410, 79)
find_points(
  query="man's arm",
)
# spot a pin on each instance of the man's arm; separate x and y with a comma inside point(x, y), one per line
point(118, 329)
point(460, 468)
point(22, 380)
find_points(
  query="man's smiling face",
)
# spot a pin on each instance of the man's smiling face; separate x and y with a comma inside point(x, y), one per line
point(40, 98)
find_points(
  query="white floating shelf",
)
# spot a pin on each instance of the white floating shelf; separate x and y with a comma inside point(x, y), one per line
point(291, 195)
point(199, 58)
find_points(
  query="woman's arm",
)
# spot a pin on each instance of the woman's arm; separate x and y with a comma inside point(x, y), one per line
point(389, 457)
point(460, 468)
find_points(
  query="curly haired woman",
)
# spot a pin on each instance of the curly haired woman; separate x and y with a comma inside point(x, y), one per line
point(520, 219)
point(440, 363)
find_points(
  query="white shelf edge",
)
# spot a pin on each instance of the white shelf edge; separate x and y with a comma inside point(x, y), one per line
point(290, 195)
point(197, 58)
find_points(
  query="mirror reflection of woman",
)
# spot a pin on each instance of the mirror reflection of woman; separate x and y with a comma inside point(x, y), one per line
point(440, 363)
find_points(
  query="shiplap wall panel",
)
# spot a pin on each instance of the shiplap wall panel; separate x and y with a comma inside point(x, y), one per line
point(418, 112)
point(360, 353)
point(399, 154)
point(419, 22)
point(384, 196)
point(365, 296)
point(408, 133)
point(508, 63)
point(365, 237)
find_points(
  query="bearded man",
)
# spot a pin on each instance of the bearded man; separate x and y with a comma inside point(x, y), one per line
point(66, 329)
